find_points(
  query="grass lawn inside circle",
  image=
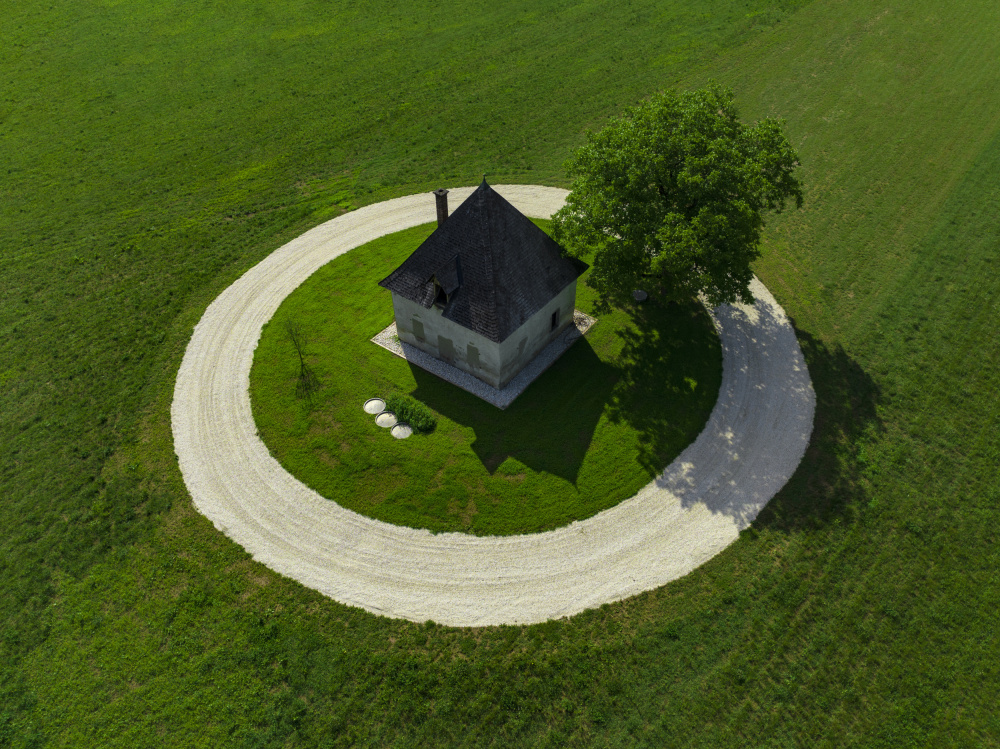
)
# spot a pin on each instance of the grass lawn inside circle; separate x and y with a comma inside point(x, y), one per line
point(592, 430)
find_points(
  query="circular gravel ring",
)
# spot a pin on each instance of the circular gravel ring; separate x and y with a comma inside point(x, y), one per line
point(401, 431)
point(386, 419)
point(754, 440)
point(374, 406)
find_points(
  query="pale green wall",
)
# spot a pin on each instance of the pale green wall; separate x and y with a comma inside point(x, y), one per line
point(527, 341)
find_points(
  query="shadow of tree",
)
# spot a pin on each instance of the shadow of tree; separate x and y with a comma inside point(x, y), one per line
point(828, 481)
point(670, 374)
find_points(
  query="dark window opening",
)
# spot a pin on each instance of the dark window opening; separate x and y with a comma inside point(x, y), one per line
point(555, 319)
point(440, 297)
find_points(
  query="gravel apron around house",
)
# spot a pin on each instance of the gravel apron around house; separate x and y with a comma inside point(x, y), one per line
point(754, 440)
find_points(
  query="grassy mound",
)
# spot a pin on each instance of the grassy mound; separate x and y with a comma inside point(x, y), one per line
point(615, 409)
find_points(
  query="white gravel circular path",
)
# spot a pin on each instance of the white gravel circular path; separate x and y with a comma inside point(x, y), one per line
point(754, 439)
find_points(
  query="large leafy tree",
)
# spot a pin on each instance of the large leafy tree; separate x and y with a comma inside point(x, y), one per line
point(670, 197)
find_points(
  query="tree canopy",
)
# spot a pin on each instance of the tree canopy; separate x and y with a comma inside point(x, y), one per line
point(670, 197)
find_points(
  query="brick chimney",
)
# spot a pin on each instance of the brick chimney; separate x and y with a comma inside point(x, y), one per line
point(442, 205)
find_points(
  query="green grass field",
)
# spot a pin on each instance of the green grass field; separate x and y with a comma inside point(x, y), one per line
point(595, 428)
point(151, 153)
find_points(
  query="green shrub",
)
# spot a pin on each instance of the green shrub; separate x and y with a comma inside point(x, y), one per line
point(412, 411)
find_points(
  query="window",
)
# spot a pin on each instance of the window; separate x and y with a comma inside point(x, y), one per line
point(472, 356)
point(446, 349)
point(440, 296)
point(555, 320)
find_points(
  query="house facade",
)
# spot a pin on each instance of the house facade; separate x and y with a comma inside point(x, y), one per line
point(487, 291)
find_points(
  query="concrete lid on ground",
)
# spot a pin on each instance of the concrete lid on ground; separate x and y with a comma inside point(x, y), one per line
point(401, 431)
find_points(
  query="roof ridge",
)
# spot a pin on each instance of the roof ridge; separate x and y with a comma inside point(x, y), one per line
point(484, 189)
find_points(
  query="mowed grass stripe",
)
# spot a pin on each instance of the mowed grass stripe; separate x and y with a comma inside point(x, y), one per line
point(887, 120)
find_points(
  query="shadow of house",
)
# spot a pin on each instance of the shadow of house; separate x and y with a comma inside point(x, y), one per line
point(549, 428)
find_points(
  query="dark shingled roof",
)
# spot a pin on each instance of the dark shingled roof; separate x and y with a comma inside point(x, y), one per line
point(495, 268)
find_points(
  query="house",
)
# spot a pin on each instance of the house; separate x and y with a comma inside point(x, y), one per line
point(487, 291)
